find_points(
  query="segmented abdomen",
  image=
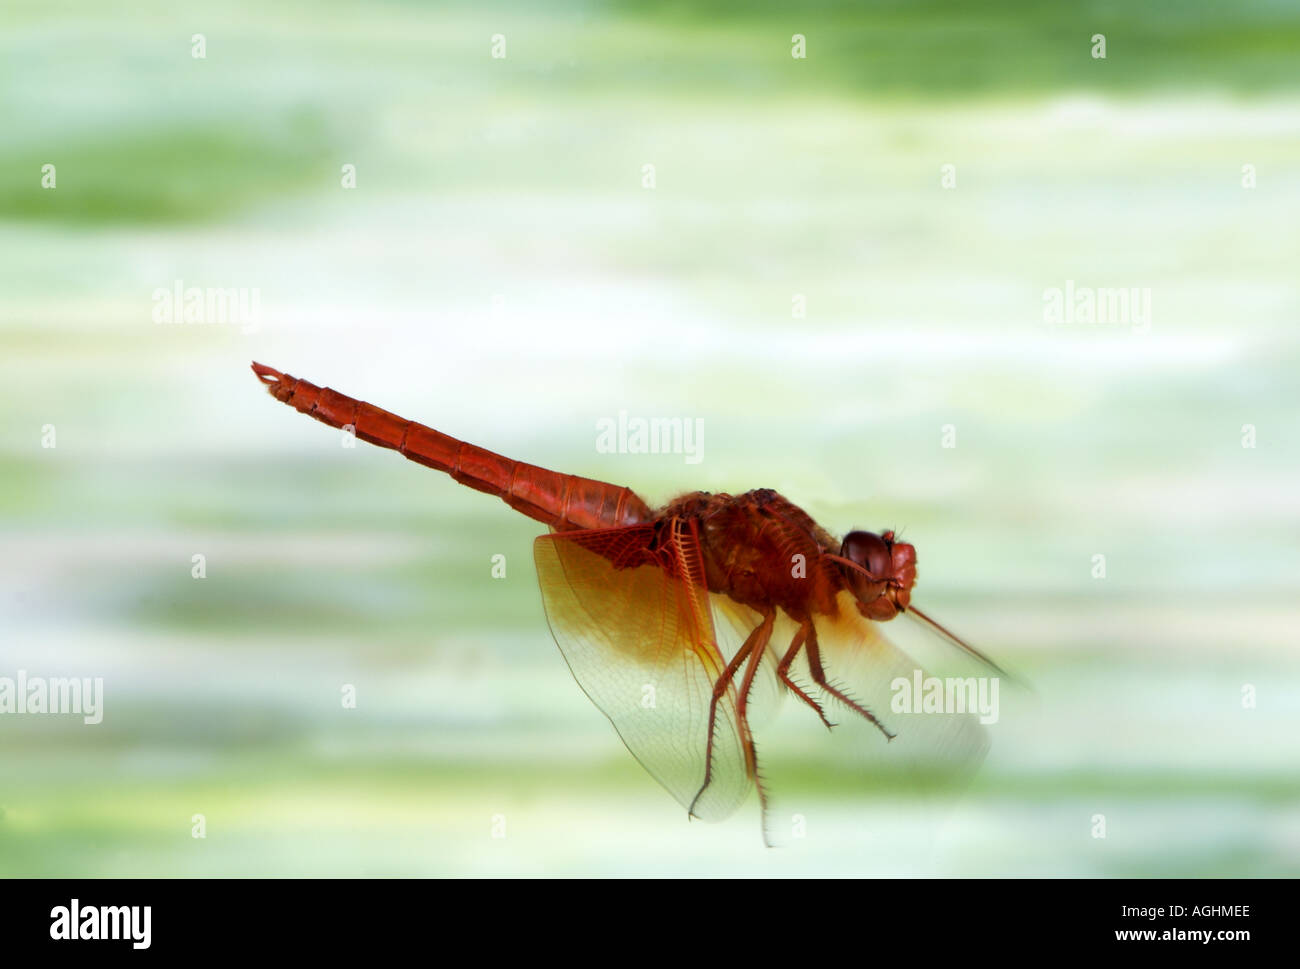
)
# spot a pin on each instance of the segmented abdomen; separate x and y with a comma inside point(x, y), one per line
point(563, 501)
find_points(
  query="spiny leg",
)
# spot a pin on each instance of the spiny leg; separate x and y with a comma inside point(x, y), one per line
point(819, 677)
point(756, 641)
point(783, 671)
point(756, 655)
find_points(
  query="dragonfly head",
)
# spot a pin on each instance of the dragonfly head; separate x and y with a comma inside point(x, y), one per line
point(879, 572)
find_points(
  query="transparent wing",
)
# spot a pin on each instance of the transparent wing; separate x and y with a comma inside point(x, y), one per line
point(843, 789)
point(936, 722)
point(732, 623)
point(629, 610)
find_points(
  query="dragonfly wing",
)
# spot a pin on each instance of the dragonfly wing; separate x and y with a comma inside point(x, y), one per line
point(629, 610)
point(862, 663)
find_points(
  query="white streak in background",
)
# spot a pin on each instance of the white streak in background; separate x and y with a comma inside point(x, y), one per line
point(25, 554)
point(1162, 118)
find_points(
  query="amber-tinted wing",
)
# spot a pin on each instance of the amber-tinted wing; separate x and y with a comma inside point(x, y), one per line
point(630, 612)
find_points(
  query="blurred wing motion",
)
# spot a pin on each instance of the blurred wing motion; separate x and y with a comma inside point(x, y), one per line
point(946, 739)
point(632, 615)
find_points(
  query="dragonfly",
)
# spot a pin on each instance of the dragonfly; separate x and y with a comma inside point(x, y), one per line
point(685, 625)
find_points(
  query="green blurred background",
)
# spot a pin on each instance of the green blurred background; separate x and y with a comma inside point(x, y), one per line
point(501, 273)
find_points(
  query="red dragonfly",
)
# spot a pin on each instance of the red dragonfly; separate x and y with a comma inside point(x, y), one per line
point(669, 619)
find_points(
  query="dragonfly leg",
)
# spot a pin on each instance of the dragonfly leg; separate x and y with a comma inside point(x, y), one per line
point(756, 654)
point(755, 642)
point(819, 677)
point(783, 671)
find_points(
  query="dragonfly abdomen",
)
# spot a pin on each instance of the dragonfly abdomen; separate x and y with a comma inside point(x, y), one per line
point(563, 501)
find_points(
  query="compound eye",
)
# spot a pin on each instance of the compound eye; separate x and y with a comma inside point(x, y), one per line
point(870, 551)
